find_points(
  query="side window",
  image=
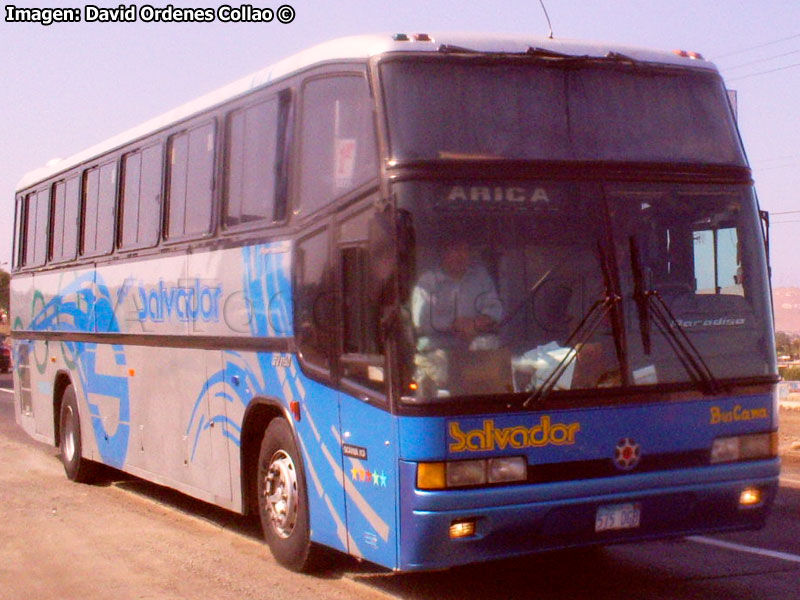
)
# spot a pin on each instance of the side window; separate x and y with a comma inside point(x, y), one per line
point(717, 266)
point(251, 165)
point(36, 213)
point(358, 336)
point(64, 228)
point(366, 262)
point(99, 200)
point(190, 181)
point(338, 150)
point(141, 197)
point(315, 326)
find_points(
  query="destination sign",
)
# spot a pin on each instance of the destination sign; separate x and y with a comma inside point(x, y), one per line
point(525, 197)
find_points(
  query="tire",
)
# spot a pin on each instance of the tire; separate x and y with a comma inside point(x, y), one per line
point(283, 499)
point(77, 468)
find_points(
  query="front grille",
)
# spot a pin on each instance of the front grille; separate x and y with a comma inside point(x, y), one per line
point(595, 469)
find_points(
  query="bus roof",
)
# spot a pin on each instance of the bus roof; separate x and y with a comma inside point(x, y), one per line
point(354, 48)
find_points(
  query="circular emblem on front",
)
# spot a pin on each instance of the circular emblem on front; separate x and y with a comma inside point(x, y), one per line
point(627, 454)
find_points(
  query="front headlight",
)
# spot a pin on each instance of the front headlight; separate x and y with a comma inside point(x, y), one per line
point(512, 468)
point(744, 447)
point(463, 473)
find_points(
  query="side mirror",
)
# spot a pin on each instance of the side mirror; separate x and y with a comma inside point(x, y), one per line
point(764, 215)
point(406, 254)
point(391, 249)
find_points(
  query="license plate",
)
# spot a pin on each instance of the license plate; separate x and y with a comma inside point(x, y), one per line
point(618, 516)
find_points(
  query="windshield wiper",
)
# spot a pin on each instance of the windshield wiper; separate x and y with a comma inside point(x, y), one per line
point(588, 325)
point(651, 306)
point(640, 296)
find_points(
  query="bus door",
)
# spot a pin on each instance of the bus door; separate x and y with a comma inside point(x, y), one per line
point(369, 441)
point(336, 318)
point(318, 428)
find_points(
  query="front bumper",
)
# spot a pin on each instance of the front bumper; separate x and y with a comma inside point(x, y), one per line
point(522, 519)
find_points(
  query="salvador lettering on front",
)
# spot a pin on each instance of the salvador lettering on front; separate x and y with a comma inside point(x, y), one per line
point(517, 437)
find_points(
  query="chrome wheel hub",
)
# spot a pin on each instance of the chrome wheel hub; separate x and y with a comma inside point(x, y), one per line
point(280, 494)
point(69, 435)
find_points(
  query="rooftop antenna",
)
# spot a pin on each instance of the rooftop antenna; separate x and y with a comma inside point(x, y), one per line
point(546, 16)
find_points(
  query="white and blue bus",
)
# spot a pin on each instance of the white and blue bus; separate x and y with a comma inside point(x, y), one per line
point(428, 300)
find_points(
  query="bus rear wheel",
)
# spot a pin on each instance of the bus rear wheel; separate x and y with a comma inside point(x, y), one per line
point(77, 468)
point(283, 500)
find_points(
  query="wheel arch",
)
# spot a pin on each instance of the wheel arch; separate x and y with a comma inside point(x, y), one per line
point(60, 383)
point(258, 415)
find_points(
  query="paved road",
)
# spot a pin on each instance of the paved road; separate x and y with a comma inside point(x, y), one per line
point(142, 541)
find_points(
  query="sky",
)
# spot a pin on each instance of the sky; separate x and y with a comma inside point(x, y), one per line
point(67, 86)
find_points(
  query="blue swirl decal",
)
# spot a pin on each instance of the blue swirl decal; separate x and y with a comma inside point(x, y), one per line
point(266, 286)
point(85, 305)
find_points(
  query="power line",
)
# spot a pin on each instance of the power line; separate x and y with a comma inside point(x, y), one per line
point(761, 60)
point(764, 72)
point(786, 212)
point(791, 37)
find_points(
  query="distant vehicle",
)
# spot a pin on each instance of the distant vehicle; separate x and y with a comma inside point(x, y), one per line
point(428, 300)
point(5, 358)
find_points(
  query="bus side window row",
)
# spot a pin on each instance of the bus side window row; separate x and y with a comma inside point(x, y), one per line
point(77, 215)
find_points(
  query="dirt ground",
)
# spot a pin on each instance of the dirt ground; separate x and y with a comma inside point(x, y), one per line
point(70, 541)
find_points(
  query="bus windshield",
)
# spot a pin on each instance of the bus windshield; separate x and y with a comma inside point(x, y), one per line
point(527, 109)
point(509, 281)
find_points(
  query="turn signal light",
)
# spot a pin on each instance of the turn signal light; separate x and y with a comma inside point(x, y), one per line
point(430, 476)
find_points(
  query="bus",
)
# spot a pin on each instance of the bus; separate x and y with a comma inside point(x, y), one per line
point(424, 299)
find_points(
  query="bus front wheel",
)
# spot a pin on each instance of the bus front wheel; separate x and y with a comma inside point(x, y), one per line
point(77, 468)
point(282, 498)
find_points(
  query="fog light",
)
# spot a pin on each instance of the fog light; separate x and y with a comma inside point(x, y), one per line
point(750, 497)
point(462, 528)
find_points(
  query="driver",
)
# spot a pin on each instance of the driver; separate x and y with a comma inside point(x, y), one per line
point(454, 307)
